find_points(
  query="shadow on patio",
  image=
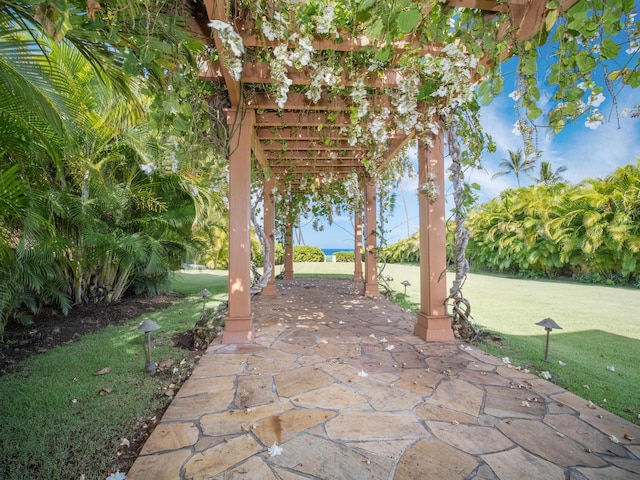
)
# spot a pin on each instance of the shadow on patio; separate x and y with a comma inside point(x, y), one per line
point(338, 387)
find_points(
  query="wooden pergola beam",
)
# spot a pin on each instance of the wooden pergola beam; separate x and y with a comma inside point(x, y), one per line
point(217, 10)
point(298, 101)
point(301, 119)
point(316, 163)
point(315, 155)
point(261, 73)
point(289, 145)
point(300, 170)
point(484, 5)
point(292, 133)
point(258, 151)
point(345, 43)
point(274, 155)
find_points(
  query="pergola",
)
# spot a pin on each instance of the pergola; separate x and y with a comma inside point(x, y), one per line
point(304, 138)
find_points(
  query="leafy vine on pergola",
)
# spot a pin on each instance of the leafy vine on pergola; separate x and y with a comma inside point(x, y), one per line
point(406, 67)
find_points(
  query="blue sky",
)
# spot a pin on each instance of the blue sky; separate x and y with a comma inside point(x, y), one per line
point(586, 153)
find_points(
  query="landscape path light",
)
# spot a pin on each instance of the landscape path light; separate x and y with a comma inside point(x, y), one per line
point(147, 327)
point(406, 284)
point(204, 293)
point(548, 325)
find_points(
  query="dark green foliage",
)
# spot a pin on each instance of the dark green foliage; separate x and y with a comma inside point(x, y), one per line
point(304, 253)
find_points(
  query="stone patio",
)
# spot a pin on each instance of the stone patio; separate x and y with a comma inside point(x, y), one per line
point(340, 384)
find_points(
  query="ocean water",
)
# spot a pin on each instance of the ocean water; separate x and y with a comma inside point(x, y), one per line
point(331, 251)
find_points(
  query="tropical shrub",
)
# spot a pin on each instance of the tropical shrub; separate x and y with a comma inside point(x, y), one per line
point(404, 251)
point(305, 253)
point(589, 231)
point(258, 257)
point(345, 256)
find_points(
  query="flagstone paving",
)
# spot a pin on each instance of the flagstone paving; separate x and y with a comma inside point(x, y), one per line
point(339, 384)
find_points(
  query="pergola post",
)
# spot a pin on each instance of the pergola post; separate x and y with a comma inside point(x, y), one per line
point(238, 324)
point(433, 324)
point(357, 247)
point(370, 264)
point(288, 250)
point(269, 186)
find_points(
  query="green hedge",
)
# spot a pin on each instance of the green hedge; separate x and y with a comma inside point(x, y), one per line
point(303, 253)
point(345, 256)
point(256, 252)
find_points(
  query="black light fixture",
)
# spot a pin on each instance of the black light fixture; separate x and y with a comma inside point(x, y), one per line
point(406, 284)
point(548, 324)
point(147, 327)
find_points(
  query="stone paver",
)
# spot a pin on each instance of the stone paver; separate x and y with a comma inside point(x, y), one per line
point(322, 383)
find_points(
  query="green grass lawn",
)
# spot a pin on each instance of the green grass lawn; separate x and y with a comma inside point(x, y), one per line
point(600, 329)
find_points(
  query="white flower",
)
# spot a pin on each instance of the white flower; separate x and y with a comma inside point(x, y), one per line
point(174, 163)
point(325, 22)
point(268, 30)
point(302, 53)
point(275, 450)
point(634, 47)
point(596, 100)
point(625, 112)
point(149, 168)
point(518, 127)
point(515, 95)
point(594, 121)
point(232, 42)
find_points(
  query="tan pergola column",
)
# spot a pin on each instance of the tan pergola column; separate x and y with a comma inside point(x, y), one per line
point(238, 325)
point(371, 269)
point(357, 247)
point(288, 251)
point(269, 230)
point(432, 323)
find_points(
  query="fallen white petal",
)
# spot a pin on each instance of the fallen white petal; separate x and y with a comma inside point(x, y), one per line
point(341, 322)
point(561, 363)
point(546, 375)
point(390, 347)
point(362, 373)
point(611, 368)
point(614, 439)
point(125, 442)
point(383, 340)
point(372, 336)
point(275, 450)
point(506, 360)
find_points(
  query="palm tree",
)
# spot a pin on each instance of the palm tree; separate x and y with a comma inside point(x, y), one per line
point(515, 164)
point(548, 176)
